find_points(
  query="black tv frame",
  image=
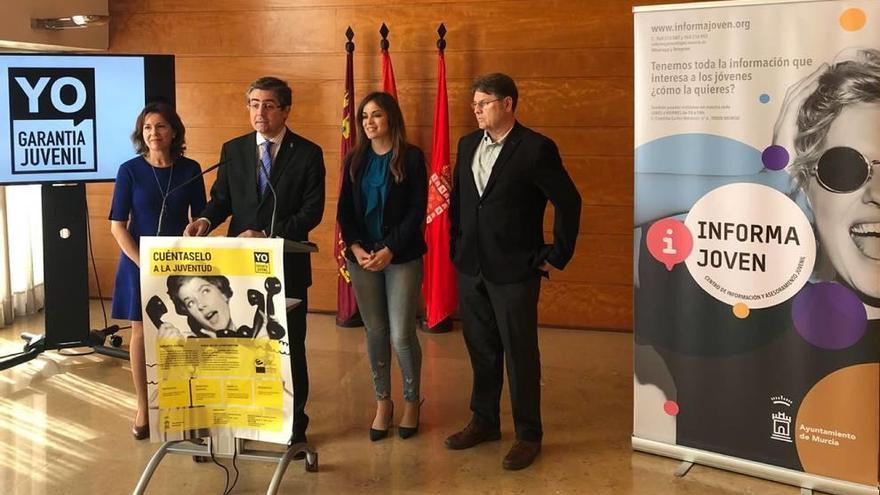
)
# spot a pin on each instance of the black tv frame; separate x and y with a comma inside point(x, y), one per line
point(65, 242)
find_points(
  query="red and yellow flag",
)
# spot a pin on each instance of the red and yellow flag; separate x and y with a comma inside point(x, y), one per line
point(346, 306)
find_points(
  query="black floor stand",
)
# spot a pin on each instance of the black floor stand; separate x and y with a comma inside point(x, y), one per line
point(443, 327)
point(66, 280)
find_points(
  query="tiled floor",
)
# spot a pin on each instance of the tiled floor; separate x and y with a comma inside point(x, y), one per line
point(64, 425)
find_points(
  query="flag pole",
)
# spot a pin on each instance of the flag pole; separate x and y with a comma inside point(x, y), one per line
point(388, 83)
point(347, 314)
point(438, 284)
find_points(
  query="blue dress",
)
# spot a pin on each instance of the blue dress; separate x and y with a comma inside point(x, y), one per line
point(137, 199)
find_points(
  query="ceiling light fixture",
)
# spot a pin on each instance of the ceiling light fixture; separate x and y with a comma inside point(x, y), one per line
point(72, 22)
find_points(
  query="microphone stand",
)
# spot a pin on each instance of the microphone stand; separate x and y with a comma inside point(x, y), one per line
point(274, 201)
point(181, 185)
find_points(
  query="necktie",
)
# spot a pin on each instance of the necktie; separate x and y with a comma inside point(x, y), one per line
point(266, 164)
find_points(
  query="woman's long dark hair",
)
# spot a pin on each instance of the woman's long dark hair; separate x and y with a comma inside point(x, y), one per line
point(396, 128)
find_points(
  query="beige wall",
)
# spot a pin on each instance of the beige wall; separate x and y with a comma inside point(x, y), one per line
point(572, 60)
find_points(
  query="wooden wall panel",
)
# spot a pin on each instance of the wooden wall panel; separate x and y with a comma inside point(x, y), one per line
point(572, 61)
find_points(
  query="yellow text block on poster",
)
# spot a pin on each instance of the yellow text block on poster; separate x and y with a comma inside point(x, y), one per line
point(261, 419)
point(206, 391)
point(230, 262)
point(269, 393)
point(180, 359)
point(239, 392)
point(173, 393)
point(186, 418)
point(226, 417)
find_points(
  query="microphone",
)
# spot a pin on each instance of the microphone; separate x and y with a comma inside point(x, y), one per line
point(181, 185)
point(274, 201)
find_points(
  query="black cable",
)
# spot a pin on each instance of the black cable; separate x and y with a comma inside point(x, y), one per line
point(235, 467)
point(225, 469)
point(94, 265)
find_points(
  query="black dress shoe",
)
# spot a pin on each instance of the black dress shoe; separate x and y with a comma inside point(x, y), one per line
point(471, 435)
point(409, 431)
point(376, 435)
point(521, 455)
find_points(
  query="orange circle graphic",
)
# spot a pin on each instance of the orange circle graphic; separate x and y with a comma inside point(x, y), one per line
point(836, 430)
point(853, 19)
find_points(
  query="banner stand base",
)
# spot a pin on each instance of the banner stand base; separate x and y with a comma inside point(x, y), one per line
point(752, 468)
point(683, 469)
point(187, 447)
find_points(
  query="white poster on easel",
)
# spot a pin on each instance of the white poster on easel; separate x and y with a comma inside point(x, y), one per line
point(215, 334)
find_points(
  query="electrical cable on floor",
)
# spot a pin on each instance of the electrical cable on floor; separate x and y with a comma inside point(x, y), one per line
point(235, 467)
point(225, 469)
point(94, 265)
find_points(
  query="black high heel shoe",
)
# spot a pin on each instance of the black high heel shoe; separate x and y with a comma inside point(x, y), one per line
point(140, 432)
point(376, 435)
point(406, 431)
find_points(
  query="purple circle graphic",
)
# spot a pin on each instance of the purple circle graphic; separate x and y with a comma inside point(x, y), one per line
point(829, 315)
point(775, 157)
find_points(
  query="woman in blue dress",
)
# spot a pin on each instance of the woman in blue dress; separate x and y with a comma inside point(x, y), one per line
point(143, 185)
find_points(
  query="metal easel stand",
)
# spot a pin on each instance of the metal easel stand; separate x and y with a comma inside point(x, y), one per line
point(187, 447)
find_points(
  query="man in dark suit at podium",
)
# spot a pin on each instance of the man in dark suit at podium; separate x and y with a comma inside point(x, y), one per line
point(273, 158)
point(505, 175)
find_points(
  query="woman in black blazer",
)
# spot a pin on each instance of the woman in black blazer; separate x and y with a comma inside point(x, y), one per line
point(382, 204)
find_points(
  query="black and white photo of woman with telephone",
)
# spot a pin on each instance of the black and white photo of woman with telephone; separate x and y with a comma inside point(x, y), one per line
point(206, 302)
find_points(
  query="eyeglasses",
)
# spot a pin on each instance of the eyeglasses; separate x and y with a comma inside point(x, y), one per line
point(265, 105)
point(480, 104)
point(843, 170)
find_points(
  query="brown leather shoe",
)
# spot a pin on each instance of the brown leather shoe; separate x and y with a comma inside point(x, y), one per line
point(521, 455)
point(471, 435)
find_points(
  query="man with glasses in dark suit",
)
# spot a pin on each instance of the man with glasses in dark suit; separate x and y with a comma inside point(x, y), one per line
point(505, 175)
point(294, 167)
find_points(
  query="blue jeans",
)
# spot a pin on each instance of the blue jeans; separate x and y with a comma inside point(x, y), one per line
point(387, 302)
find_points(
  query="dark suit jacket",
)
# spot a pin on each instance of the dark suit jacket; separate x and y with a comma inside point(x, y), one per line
point(501, 234)
point(404, 214)
point(298, 178)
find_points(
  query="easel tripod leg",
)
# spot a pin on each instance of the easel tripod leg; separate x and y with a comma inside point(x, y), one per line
point(151, 468)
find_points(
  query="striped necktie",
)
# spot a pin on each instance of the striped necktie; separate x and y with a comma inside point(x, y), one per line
point(266, 164)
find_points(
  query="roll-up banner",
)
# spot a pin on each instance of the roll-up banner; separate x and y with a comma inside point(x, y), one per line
point(757, 238)
point(215, 333)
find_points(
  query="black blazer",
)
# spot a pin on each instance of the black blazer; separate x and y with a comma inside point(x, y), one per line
point(298, 178)
point(501, 234)
point(404, 215)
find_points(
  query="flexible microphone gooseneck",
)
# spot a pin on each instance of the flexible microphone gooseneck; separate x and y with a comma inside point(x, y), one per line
point(184, 184)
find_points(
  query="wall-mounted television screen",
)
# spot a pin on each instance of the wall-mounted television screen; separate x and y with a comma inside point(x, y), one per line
point(68, 118)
